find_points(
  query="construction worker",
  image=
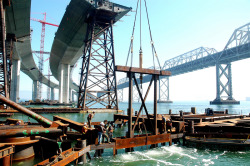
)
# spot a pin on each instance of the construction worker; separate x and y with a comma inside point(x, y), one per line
point(110, 131)
point(89, 118)
point(85, 128)
point(100, 132)
point(105, 134)
point(163, 124)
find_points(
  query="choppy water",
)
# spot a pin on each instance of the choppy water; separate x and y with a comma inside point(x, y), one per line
point(173, 155)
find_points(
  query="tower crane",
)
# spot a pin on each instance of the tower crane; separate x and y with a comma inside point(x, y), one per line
point(40, 66)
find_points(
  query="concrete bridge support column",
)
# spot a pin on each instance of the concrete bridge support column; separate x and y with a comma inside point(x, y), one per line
point(70, 95)
point(73, 96)
point(52, 94)
point(34, 90)
point(164, 90)
point(224, 85)
point(15, 80)
point(64, 83)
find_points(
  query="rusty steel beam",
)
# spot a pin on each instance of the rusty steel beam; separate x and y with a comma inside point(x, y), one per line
point(72, 124)
point(155, 77)
point(43, 121)
point(130, 108)
point(142, 71)
point(7, 127)
point(29, 132)
point(142, 141)
point(8, 111)
point(143, 103)
point(146, 95)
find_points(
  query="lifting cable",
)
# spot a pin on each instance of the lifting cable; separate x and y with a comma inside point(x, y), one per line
point(131, 51)
point(132, 39)
point(152, 43)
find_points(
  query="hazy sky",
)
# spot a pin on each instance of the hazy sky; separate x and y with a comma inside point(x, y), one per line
point(178, 26)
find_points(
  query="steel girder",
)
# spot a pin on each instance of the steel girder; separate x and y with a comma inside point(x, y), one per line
point(98, 78)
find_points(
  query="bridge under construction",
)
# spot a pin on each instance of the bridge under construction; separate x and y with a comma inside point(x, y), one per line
point(67, 49)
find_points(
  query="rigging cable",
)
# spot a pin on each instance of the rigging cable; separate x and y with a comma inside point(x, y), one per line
point(132, 39)
point(152, 43)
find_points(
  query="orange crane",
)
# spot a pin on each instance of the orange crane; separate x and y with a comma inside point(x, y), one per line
point(40, 66)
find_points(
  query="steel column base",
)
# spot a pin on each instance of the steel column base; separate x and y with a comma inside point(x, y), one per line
point(222, 102)
point(164, 101)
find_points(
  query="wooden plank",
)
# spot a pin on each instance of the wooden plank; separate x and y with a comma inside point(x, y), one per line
point(175, 136)
point(73, 156)
point(141, 141)
point(84, 150)
point(142, 71)
point(47, 160)
point(102, 146)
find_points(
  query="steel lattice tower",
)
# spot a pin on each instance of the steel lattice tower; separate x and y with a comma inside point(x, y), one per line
point(98, 78)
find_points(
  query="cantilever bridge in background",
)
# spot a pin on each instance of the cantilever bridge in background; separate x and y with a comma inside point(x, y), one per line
point(237, 48)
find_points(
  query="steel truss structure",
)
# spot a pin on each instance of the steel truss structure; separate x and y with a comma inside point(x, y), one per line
point(224, 82)
point(236, 48)
point(98, 78)
point(164, 90)
point(191, 58)
point(6, 47)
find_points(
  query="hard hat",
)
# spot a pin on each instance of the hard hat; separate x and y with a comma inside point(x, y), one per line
point(102, 124)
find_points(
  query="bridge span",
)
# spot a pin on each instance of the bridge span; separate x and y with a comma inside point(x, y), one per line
point(237, 48)
point(17, 17)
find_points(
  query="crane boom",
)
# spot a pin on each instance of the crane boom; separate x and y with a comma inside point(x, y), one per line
point(43, 22)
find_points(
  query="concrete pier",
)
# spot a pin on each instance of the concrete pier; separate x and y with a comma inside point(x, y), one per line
point(15, 80)
point(64, 83)
point(52, 94)
point(34, 90)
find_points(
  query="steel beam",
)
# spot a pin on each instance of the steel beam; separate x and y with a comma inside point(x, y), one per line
point(43, 121)
point(130, 107)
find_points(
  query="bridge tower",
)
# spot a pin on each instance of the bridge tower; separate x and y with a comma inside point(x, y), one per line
point(236, 49)
point(98, 77)
point(164, 90)
point(224, 89)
